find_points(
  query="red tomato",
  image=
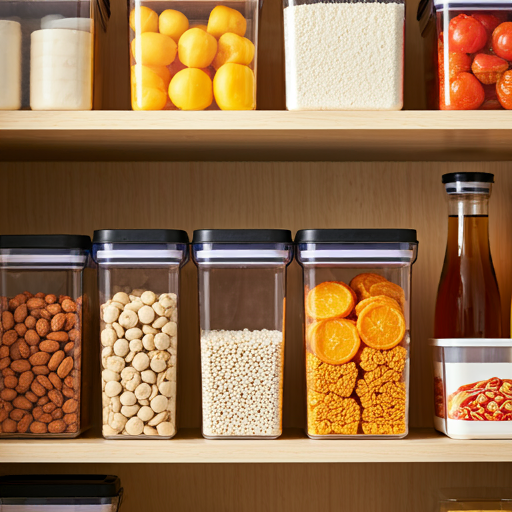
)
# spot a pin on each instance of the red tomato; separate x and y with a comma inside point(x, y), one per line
point(489, 21)
point(466, 34)
point(502, 40)
point(457, 63)
point(466, 93)
point(504, 90)
point(488, 68)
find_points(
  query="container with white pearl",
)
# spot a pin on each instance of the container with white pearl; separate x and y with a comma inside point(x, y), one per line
point(10, 65)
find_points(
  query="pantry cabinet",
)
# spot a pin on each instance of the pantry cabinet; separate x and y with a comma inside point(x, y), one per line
point(77, 172)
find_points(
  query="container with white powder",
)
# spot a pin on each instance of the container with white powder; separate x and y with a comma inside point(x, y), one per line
point(344, 55)
point(242, 289)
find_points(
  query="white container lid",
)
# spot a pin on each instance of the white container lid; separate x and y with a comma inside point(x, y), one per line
point(470, 342)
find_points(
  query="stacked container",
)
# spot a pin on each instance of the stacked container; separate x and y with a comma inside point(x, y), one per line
point(357, 289)
point(242, 303)
point(139, 279)
point(193, 55)
point(45, 315)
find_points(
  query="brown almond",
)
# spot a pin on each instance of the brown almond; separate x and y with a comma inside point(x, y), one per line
point(50, 298)
point(69, 347)
point(40, 370)
point(42, 327)
point(65, 367)
point(40, 295)
point(11, 381)
point(43, 401)
point(4, 351)
point(45, 314)
point(56, 397)
point(17, 414)
point(32, 338)
point(68, 392)
point(70, 419)
point(9, 426)
point(30, 322)
point(54, 309)
point(68, 305)
point(39, 358)
point(23, 348)
point(56, 359)
point(20, 313)
point(24, 423)
point(57, 414)
point(55, 380)
point(20, 402)
point(6, 372)
point(37, 412)
point(69, 381)
point(29, 395)
point(9, 337)
point(37, 389)
point(60, 336)
point(71, 320)
point(74, 335)
point(21, 298)
point(7, 320)
point(33, 350)
point(14, 351)
point(21, 329)
point(36, 313)
point(27, 294)
point(70, 406)
point(43, 380)
point(8, 394)
point(49, 346)
point(5, 362)
point(49, 408)
point(14, 303)
point(36, 427)
point(4, 413)
point(72, 428)
point(62, 298)
point(58, 322)
point(20, 366)
point(35, 303)
point(45, 418)
point(56, 427)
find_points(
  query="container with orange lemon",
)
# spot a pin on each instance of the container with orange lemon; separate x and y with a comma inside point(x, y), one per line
point(193, 55)
point(357, 286)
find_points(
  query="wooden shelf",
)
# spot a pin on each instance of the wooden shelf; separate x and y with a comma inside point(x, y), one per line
point(260, 136)
point(422, 445)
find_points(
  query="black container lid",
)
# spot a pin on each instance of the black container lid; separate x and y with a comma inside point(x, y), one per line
point(468, 177)
point(140, 236)
point(45, 242)
point(242, 236)
point(334, 236)
point(59, 486)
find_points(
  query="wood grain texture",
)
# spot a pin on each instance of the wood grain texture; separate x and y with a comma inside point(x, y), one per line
point(80, 197)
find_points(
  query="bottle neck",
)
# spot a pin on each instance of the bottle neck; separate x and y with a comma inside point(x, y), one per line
point(460, 205)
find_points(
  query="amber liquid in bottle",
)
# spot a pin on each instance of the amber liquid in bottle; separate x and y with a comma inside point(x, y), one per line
point(468, 300)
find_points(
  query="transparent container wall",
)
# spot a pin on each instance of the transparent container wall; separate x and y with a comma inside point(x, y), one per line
point(470, 56)
point(473, 391)
point(344, 55)
point(139, 338)
point(44, 320)
point(49, 61)
point(60, 504)
point(193, 54)
point(242, 350)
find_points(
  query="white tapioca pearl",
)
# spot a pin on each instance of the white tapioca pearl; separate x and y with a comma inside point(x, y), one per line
point(140, 361)
point(146, 314)
point(128, 319)
point(166, 429)
point(105, 400)
point(128, 398)
point(147, 329)
point(158, 309)
point(154, 392)
point(110, 314)
point(108, 337)
point(166, 302)
point(174, 316)
point(148, 298)
point(134, 306)
point(150, 431)
point(144, 401)
point(134, 426)
point(107, 351)
point(159, 322)
point(128, 373)
point(148, 376)
point(121, 297)
point(133, 334)
point(166, 388)
point(133, 382)
point(130, 357)
point(162, 341)
point(143, 391)
point(170, 328)
point(119, 330)
point(121, 347)
point(158, 365)
point(159, 403)
point(118, 422)
point(149, 342)
point(116, 404)
point(113, 388)
point(136, 345)
point(130, 410)
point(115, 363)
point(168, 312)
point(117, 305)
point(109, 431)
point(170, 374)
point(153, 422)
point(145, 413)
point(108, 375)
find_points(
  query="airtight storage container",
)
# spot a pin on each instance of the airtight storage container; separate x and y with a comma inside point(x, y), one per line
point(473, 388)
point(48, 49)
point(139, 282)
point(242, 304)
point(344, 55)
point(60, 493)
point(45, 318)
point(357, 296)
point(467, 53)
point(193, 55)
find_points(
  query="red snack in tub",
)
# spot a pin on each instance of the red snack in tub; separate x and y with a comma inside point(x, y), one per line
point(466, 93)
point(488, 68)
point(504, 90)
point(502, 40)
point(466, 34)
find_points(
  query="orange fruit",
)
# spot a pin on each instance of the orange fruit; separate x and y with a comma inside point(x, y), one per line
point(381, 299)
point(390, 290)
point(381, 326)
point(329, 300)
point(335, 341)
point(362, 283)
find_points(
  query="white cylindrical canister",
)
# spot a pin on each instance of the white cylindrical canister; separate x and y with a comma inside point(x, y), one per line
point(61, 70)
point(10, 65)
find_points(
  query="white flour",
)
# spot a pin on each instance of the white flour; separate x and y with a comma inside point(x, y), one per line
point(344, 56)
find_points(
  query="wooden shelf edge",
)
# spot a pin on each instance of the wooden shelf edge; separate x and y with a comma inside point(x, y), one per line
point(422, 445)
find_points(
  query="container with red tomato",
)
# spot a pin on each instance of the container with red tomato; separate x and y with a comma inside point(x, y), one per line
point(468, 54)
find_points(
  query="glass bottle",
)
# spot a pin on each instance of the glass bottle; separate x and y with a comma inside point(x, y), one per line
point(468, 300)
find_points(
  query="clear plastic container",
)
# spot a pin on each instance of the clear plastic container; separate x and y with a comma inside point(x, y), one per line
point(357, 292)
point(473, 388)
point(242, 304)
point(139, 282)
point(49, 62)
point(60, 493)
point(467, 54)
point(344, 54)
point(495, 499)
point(193, 54)
point(45, 317)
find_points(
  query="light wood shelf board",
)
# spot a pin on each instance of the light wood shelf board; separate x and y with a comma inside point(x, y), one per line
point(422, 445)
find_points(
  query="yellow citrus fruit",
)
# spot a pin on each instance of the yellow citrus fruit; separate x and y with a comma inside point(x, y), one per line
point(233, 48)
point(148, 98)
point(390, 290)
point(154, 49)
point(329, 300)
point(234, 87)
point(197, 48)
point(163, 72)
point(225, 19)
point(199, 25)
point(173, 24)
point(191, 89)
point(335, 341)
point(143, 19)
point(381, 326)
point(146, 77)
point(381, 299)
point(362, 283)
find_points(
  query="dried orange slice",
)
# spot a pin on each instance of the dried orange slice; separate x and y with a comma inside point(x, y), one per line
point(362, 283)
point(329, 300)
point(335, 341)
point(381, 299)
point(381, 326)
point(390, 290)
